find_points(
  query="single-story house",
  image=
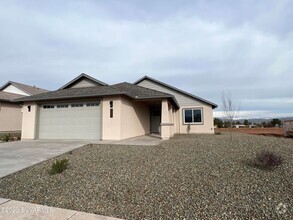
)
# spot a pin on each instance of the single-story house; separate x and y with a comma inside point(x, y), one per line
point(10, 112)
point(86, 108)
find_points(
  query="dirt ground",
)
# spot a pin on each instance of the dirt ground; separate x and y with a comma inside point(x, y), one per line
point(259, 131)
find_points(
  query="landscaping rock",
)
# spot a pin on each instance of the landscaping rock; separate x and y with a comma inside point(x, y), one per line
point(187, 177)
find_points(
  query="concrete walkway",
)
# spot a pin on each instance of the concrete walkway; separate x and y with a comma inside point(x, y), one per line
point(18, 155)
point(11, 209)
point(145, 140)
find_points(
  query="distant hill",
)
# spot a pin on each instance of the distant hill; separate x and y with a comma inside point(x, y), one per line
point(259, 120)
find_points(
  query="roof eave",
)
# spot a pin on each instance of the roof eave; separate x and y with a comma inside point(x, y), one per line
point(63, 97)
point(158, 97)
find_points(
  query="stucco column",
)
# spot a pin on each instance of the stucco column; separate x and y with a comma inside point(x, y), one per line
point(29, 121)
point(165, 121)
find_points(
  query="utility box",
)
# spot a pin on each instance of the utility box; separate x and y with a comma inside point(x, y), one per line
point(288, 128)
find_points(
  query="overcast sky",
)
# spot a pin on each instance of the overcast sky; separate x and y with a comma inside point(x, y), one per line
point(203, 47)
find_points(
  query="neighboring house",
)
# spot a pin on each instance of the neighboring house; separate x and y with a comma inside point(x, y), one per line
point(86, 108)
point(240, 126)
point(10, 112)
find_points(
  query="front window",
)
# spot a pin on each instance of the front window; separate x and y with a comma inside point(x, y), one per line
point(193, 116)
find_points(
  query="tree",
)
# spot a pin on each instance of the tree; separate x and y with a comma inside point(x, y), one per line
point(218, 122)
point(229, 109)
point(276, 122)
point(245, 122)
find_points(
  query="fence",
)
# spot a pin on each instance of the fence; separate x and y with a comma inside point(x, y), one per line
point(288, 128)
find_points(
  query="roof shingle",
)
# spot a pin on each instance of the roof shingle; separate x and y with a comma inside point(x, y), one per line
point(130, 90)
point(8, 97)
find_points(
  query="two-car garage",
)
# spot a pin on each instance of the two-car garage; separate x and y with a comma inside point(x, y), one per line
point(76, 120)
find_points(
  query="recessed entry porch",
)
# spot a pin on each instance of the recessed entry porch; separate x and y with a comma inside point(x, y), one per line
point(162, 117)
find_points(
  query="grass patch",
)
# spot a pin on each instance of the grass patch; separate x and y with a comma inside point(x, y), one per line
point(58, 166)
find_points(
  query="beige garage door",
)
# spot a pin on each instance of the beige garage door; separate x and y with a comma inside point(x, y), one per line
point(70, 121)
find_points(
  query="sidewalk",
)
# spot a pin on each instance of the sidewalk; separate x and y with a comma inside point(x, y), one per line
point(11, 209)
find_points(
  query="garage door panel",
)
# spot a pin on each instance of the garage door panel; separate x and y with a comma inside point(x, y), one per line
point(70, 122)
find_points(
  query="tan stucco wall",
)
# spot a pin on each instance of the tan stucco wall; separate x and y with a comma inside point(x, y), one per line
point(10, 117)
point(208, 122)
point(130, 119)
point(135, 119)
point(29, 121)
point(111, 127)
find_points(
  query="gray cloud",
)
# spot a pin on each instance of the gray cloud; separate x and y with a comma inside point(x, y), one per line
point(204, 47)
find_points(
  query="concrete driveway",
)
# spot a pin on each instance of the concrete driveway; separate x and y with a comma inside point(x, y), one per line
point(18, 155)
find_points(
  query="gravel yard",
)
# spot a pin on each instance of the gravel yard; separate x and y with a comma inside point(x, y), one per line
point(190, 176)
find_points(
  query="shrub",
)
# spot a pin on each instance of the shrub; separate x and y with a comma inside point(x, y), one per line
point(6, 138)
point(267, 160)
point(188, 129)
point(58, 166)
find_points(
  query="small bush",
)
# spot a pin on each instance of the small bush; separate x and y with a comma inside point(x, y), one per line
point(267, 160)
point(58, 166)
point(6, 138)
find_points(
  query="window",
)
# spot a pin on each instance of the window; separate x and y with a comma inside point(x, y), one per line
point(111, 109)
point(48, 106)
point(62, 106)
point(77, 105)
point(193, 116)
point(91, 104)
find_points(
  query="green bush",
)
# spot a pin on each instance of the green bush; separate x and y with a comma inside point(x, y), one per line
point(58, 166)
point(6, 138)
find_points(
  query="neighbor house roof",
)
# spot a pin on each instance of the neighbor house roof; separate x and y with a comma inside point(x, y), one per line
point(176, 89)
point(31, 90)
point(83, 75)
point(130, 90)
point(8, 97)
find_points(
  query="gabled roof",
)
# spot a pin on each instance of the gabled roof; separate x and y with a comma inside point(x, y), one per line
point(132, 91)
point(8, 97)
point(83, 75)
point(175, 89)
point(142, 93)
point(31, 90)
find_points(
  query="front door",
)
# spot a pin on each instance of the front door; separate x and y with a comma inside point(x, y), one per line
point(155, 120)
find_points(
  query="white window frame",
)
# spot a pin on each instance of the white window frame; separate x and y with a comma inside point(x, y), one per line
point(193, 123)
